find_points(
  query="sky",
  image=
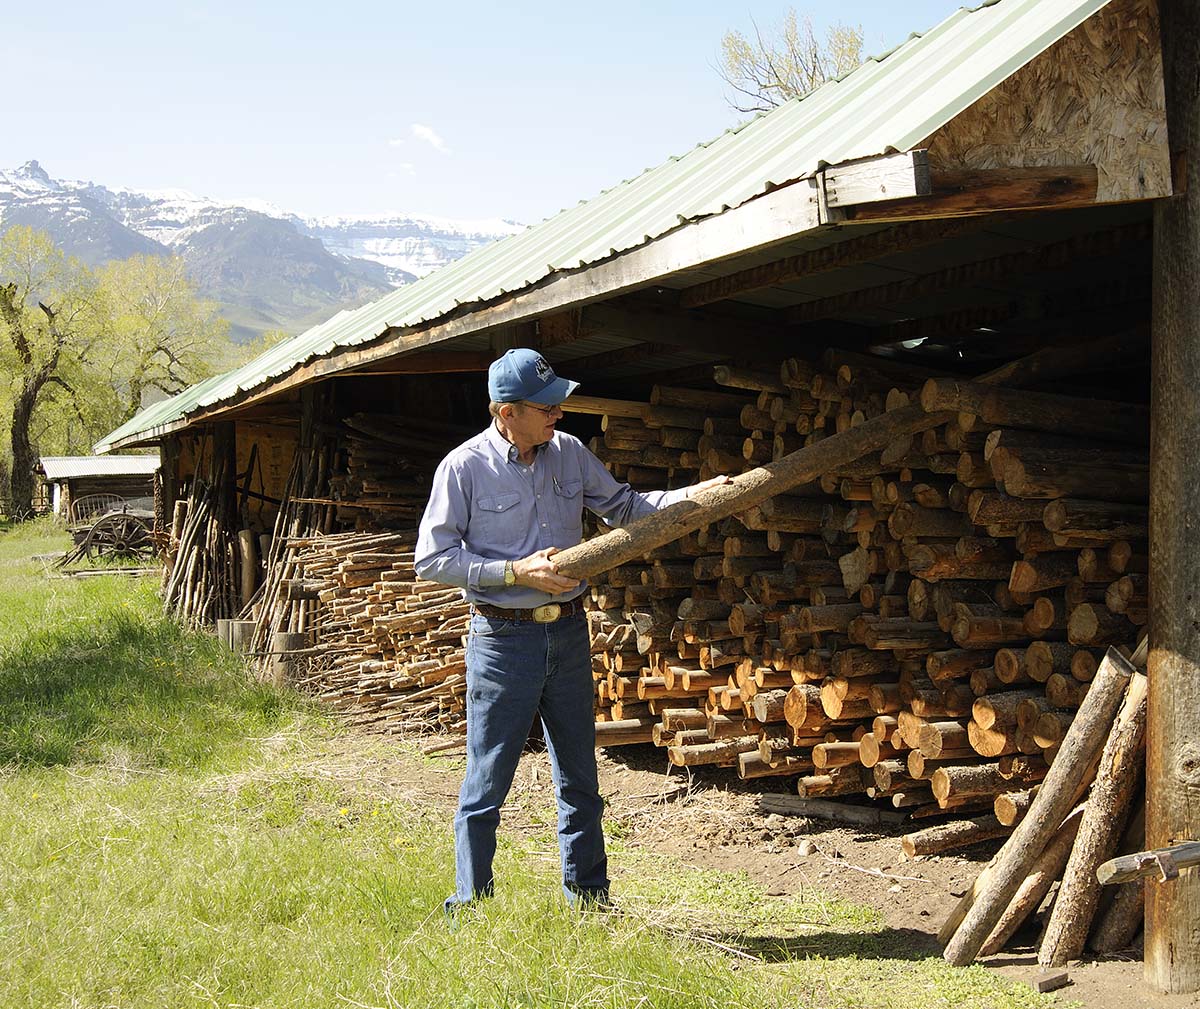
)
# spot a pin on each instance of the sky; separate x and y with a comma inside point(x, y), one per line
point(346, 107)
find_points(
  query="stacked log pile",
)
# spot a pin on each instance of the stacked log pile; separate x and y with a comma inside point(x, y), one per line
point(390, 647)
point(370, 472)
point(921, 625)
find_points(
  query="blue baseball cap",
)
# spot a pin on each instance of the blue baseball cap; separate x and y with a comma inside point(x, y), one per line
point(524, 374)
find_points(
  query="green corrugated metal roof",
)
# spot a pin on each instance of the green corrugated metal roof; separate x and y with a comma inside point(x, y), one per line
point(890, 103)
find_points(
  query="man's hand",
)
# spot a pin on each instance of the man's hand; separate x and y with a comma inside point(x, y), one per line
point(708, 484)
point(537, 571)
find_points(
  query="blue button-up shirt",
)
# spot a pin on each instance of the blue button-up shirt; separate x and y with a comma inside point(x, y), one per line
point(487, 507)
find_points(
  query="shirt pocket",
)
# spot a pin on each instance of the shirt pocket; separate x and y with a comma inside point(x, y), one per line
point(568, 507)
point(499, 520)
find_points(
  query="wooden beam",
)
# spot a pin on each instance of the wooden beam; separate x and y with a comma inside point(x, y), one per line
point(581, 366)
point(429, 363)
point(1172, 946)
point(968, 193)
point(935, 327)
point(559, 328)
point(689, 330)
point(860, 249)
point(1055, 256)
point(891, 177)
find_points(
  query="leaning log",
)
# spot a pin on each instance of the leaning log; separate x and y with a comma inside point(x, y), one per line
point(1103, 821)
point(1083, 741)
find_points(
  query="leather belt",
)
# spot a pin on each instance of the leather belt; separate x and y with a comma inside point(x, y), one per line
point(546, 614)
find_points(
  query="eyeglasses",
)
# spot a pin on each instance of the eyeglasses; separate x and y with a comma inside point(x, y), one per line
point(547, 410)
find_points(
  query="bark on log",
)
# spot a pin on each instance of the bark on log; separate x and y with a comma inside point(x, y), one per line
point(1036, 885)
point(1103, 821)
point(1049, 809)
point(956, 834)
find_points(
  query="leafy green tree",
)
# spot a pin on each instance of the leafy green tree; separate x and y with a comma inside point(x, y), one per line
point(46, 336)
point(159, 338)
point(787, 62)
point(81, 351)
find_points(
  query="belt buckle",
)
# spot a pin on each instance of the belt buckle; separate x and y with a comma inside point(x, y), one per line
point(547, 614)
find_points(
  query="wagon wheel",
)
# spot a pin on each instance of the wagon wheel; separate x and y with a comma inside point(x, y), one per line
point(120, 536)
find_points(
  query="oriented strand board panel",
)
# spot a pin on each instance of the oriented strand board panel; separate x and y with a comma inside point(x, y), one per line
point(1095, 96)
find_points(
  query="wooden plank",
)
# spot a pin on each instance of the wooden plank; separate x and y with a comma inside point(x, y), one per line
point(966, 193)
point(892, 177)
point(1162, 864)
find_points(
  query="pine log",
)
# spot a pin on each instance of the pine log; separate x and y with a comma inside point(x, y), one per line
point(1054, 799)
point(1119, 920)
point(1042, 875)
point(1103, 820)
point(1128, 423)
point(956, 834)
point(622, 733)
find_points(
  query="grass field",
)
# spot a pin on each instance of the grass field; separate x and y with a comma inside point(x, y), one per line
point(174, 835)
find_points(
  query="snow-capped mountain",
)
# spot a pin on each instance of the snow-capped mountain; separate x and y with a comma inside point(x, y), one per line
point(267, 268)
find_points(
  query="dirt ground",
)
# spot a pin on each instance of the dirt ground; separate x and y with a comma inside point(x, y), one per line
point(711, 820)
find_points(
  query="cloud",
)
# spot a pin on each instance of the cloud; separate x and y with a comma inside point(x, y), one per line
point(430, 136)
point(396, 142)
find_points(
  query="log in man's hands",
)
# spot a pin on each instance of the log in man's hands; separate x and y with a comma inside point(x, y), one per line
point(538, 571)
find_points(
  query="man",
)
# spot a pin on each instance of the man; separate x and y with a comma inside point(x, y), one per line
point(501, 505)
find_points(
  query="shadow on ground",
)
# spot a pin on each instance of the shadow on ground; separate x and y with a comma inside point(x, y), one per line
point(118, 682)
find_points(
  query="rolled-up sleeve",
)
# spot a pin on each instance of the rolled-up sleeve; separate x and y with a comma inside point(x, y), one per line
point(617, 503)
point(440, 554)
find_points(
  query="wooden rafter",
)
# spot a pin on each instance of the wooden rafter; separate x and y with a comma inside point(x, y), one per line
point(581, 366)
point(1047, 257)
point(834, 257)
point(694, 330)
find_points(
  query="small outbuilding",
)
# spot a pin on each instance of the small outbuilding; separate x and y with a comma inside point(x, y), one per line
point(66, 480)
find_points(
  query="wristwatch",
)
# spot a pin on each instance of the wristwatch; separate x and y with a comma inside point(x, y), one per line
point(510, 576)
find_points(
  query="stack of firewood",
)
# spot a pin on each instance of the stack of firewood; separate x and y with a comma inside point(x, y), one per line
point(920, 626)
point(387, 464)
point(387, 649)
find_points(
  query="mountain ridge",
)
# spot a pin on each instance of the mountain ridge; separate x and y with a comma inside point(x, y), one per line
point(264, 267)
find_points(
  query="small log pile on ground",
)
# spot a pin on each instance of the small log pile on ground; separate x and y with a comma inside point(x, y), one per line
point(921, 625)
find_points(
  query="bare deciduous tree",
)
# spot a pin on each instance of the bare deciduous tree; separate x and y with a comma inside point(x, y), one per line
point(787, 62)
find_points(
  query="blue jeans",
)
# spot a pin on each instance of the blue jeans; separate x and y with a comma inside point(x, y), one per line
point(517, 669)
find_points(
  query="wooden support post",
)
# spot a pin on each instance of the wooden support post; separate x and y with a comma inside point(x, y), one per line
point(1172, 949)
